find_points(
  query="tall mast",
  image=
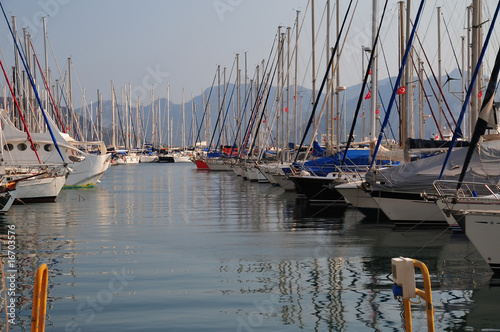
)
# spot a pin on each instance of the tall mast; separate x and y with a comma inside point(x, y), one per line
point(374, 78)
point(329, 113)
point(337, 84)
point(113, 111)
point(421, 100)
point(46, 62)
point(238, 93)
point(193, 112)
point(16, 64)
point(475, 44)
point(219, 103)
point(169, 128)
point(440, 97)
point(295, 113)
point(153, 124)
point(279, 87)
point(403, 122)
point(70, 85)
point(287, 140)
point(313, 58)
point(183, 126)
point(408, 79)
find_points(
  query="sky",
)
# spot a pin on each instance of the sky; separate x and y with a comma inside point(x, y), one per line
point(181, 43)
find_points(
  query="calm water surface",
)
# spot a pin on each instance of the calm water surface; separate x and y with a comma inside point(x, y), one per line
point(163, 247)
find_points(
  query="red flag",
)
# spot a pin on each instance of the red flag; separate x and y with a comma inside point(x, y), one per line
point(286, 109)
point(480, 94)
point(263, 121)
point(401, 91)
point(370, 72)
point(377, 112)
point(369, 95)
point(335, 118)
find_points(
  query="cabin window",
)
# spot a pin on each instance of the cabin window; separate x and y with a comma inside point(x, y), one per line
point(37, 147)
point(48, 147)
point(22, 146)
point(8, 147)
point(76, 159)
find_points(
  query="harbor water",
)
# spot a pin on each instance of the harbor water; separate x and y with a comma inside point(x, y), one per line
point(164, 247)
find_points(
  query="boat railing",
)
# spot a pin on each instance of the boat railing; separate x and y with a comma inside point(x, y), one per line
point(446, 189)
point(352, 172)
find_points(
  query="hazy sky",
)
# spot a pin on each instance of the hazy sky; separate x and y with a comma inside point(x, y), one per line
point(182, 42)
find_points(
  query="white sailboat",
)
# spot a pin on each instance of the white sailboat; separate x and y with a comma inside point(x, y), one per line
point(85, 168)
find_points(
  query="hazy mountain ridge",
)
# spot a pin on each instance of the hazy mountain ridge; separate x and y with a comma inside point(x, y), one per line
point(304, 103)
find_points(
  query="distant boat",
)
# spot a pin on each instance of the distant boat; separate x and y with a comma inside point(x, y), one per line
point(124, 157)
point(148, 158)
point(182, 158)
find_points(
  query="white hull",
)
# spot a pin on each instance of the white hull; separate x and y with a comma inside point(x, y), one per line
point(86, 168)
point(448, 199)
point(127, 160)
point(355, 195)
point(418, 210)
point(148, 158)
point(38, 190)
point(218, 165)
point(483, 230)
point(238, 170)
point(284, 182)
point(253, 174)
point(182, 159)
point(268, 175)
point(89, 172)
point(467, 203)
point(8, 199)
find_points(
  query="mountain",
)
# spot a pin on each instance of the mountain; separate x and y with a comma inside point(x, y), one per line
point(228, 114)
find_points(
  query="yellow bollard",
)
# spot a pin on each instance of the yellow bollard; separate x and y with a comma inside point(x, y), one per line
point(39, 299)
point(426, 294)
point(404, 280)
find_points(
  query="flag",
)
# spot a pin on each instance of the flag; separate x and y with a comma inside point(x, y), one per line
point(480, 94)
point(401, 91)
point(286, 109)
point(377, 112)
point(369, 95)
point(335, 118)
point(370, 72)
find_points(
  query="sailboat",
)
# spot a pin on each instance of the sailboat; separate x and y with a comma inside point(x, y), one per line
point(86, 168)
point(479, 215)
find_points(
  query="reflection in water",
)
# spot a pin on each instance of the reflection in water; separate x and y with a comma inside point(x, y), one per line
point(210, 251)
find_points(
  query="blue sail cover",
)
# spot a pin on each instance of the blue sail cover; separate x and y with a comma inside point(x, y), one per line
point(325, 165)
point(318, 151)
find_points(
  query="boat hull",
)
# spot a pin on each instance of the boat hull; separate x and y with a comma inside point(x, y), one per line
point(317, 188)
point(88, 174)
point(7, 198)
point(483, 230)
point(39, 190)
point(408, 207)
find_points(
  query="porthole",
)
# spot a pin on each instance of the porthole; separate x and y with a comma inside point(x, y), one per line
point(22, 146)
point(37, 146)
point(48, 147)
point(8, 147)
